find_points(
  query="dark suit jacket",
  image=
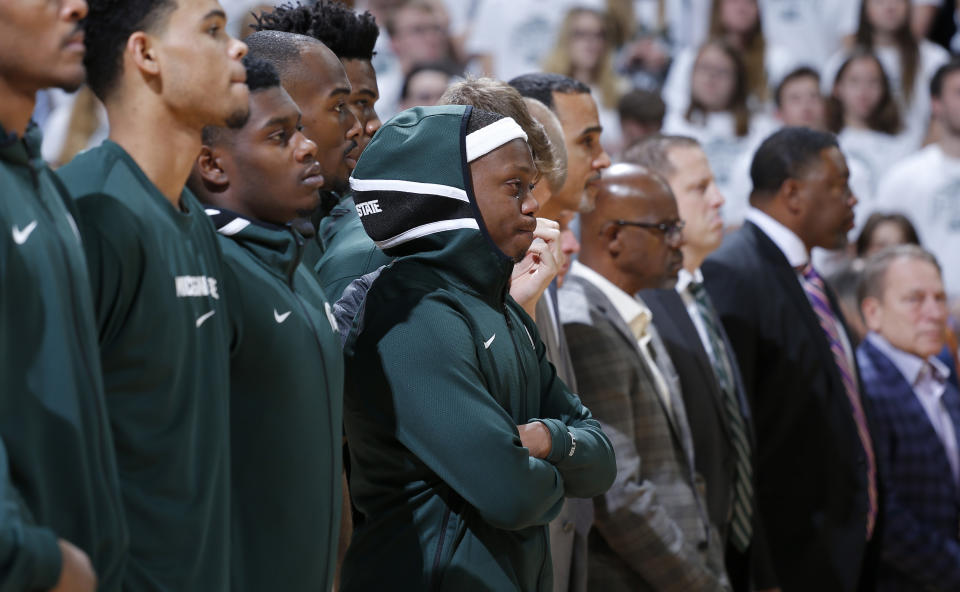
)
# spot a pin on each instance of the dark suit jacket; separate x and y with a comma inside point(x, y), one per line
point(922, 505)
point(713, 448)
point(811, 466)
point(651, 531)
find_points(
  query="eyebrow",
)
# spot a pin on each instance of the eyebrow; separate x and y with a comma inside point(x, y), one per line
point(215, 12)
point(279, 120)
point(340, 91)
point(596, 128)
point(366, 91)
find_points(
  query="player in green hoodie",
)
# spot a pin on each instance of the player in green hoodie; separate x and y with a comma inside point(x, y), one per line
point(286, 365)
point(61, 521)
point(463, 441)
point(164, 69)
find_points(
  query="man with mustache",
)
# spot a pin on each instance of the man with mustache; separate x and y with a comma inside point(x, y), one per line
point(62, 520)
point(286, 365)
point(816, 491)
point(651, 530)
point(164, 70)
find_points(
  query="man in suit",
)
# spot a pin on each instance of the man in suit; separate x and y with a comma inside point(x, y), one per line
point(916, 421)
point(698, 346)
point(816, 490)
point(652, 530)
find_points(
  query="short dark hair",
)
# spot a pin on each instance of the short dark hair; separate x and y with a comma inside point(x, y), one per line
point(542, 85)
point(261, 75)
point(279, 48)
point(641, 105)
point(786, 154)
point(796, 74)
point(442, 66)
point(873, 283)
point(479, 119)
point(936, 83)
point(653, 152)
point(109, 23)
point(874, 222)
point(349, 35)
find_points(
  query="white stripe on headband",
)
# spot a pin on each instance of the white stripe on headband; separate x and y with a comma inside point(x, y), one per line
point(487, 139)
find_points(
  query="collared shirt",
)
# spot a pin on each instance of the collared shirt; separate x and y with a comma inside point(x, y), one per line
point(636, 315)
point(928, 378)
point(684, 279)
point(797, 256)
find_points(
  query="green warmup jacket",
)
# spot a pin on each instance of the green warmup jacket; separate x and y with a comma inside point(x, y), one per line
point(441, 366)
point(164, 346)
point(348, 252)
point(286, 398)
point(58, 476)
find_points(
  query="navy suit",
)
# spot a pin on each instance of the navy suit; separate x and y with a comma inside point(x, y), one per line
point(920, 548)
point(811, 467)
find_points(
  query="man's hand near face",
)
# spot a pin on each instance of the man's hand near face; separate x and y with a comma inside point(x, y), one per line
point(543, 261)
point(76, 572)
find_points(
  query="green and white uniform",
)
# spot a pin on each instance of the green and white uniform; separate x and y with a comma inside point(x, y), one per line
point(164, 345)
point(441, 366)
point(58, 476)
point(286, 397)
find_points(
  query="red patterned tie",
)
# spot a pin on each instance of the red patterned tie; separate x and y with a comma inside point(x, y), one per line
point(816, 293)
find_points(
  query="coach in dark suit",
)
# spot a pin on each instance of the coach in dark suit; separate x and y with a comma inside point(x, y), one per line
point(816, 472)
point(917, 419)
point(694, 337)
point(651, 531)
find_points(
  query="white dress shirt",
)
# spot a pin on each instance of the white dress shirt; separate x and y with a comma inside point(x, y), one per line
point(636, 315)
point(928, 379)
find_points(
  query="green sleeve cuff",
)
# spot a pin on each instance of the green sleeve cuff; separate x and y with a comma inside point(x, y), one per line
point(40, 544)
point(560, 437)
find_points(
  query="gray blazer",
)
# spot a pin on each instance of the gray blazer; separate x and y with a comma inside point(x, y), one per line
point(569, 530)
point(652, 531)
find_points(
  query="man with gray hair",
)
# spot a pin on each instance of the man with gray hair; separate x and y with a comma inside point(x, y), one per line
point(917, 418)
point(698, 345)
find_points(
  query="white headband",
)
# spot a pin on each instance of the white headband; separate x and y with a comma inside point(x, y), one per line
point(487, 139)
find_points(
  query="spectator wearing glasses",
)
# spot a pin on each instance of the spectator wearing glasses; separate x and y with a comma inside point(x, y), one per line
point(651, 530)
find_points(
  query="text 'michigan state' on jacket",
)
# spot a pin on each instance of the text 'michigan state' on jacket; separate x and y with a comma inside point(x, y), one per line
point(441, 367)
point(286, 390)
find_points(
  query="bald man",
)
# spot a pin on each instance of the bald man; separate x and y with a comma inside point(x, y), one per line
point(651, 528)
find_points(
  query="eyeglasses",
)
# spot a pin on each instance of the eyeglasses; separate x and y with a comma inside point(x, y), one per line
point(672, 231)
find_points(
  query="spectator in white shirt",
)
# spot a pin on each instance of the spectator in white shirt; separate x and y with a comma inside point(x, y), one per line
point(584, 51)
point(909, 64)
point(811, 30)
point(926, 185)
point(717, 115)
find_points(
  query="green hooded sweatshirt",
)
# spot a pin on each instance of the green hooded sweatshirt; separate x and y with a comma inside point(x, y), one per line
point(441, 367)
point(164, 346)
point(347, 252)
point(286, 397)
point(58, 476)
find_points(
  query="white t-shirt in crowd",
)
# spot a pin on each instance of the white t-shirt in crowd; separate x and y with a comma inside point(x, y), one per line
point(926, 187)
point(811, 30)
point(719, 140)
point(916, 113)
point(870, 154)
point(676, 88)
point(518, 34)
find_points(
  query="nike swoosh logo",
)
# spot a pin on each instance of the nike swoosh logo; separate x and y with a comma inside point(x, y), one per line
point(202, 318)
point(21, 236)
point(486, 344)
point(281, 317)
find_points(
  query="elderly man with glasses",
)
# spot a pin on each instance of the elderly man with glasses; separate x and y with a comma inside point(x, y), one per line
point(652, 528)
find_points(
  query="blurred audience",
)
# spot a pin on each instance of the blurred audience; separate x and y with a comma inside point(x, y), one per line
point(425, 84)
point(641, 114)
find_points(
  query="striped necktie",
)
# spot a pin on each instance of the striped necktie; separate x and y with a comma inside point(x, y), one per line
point(817, 295)
point(741, 524)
